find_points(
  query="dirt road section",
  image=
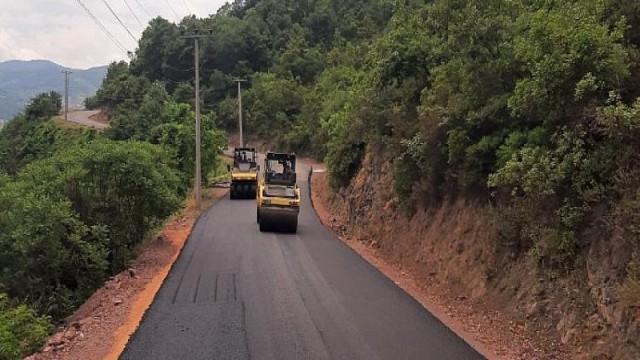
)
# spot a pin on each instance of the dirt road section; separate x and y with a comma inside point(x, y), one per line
point(100, 328)
point(91, 118)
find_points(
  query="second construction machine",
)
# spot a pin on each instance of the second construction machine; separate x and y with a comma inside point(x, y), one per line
point(278, 194)
point(244, 174)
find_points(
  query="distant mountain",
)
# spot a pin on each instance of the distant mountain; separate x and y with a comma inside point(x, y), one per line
point(22, 80)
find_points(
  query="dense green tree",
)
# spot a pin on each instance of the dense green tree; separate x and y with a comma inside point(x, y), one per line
point(178, 135)
point(271, 105)
point(135, 119)
point(151, 55)
point(49, 257)
point(113, 90)
point(31, 136)
point(125, 188)
point(43, 106)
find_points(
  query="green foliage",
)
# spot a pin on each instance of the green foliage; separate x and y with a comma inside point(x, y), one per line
point(407, 169)
point(152, 60)
point(134, 119)
point(49, 257)
point(124, 188)
point(43, 106)
point(32, 136)
point(343, 160)
point(119, 86)
point(22, 331)
point(184, 93)
point(178, 135)
point(629, 290)
point(271, 105)
point(299, 60)
point(571, 57)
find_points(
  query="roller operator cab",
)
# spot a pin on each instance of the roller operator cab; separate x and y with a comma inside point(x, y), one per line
point(244, 174)
point(278, 199)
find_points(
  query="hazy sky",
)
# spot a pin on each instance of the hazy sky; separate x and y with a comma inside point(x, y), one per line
point(63, 32)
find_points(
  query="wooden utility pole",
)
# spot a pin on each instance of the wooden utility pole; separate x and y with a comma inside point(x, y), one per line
point(198, 180)
point(66, 92)
point(239, 81)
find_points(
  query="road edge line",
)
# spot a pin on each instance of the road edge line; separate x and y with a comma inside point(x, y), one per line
point(440, 315)
point(124, 332)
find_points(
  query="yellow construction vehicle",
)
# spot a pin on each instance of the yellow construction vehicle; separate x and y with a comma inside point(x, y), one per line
point(278, 194)
point(244, 174)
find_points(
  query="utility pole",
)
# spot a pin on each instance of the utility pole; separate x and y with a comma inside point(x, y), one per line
point(239, 81)
point(66, 92)
point(198, 174)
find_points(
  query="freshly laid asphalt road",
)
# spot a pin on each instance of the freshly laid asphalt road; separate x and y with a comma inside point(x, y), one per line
point(237, 293)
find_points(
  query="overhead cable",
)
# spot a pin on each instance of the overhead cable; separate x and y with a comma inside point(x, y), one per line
point(120, 21)
point(173, 11)
point(106, 31)
point(134, 14)
point(144, 9)
point(187, 6)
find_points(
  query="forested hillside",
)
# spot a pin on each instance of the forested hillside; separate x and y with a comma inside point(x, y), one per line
point(527, 109)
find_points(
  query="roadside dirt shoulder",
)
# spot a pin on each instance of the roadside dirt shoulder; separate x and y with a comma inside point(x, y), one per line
point(101, 327)
point(488, 331)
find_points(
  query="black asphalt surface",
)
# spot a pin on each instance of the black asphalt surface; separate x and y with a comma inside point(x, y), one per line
point(237, 293)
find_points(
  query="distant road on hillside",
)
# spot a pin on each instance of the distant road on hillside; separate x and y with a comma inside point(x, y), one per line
point(84, 118)
point(20, 81)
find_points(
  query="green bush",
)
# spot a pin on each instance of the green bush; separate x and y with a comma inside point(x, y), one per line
point(50, 259)
point(271, 105)
point(343, 161)
point(31, 136)
point(127, 188)
point(407, 171)
point(22, 331)
point(178, 136)
point(629, 289)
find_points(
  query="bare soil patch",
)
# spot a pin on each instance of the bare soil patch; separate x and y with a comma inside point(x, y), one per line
point(100, 117)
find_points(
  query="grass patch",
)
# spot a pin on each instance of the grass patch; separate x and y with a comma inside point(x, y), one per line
point(629, 290)
point(68, 125)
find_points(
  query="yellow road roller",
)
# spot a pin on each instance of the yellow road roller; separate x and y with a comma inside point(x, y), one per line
point(244, 174)
point(278, 196)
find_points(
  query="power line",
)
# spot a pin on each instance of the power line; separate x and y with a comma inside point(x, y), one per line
point(120, 21)
point(144, 9)
point(187, 6)
point(134, 14)
point(106, 31)
point(173, 11)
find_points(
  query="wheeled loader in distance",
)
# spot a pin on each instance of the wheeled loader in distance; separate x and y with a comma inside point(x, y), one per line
point(278, 199)
point(244, 174)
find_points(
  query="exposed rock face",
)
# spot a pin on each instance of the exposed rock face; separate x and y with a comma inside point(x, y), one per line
point(456, 243)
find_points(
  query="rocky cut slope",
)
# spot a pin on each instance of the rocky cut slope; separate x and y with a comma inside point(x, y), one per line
point(459, 245)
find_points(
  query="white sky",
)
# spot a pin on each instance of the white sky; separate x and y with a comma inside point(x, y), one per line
point(61, 31)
